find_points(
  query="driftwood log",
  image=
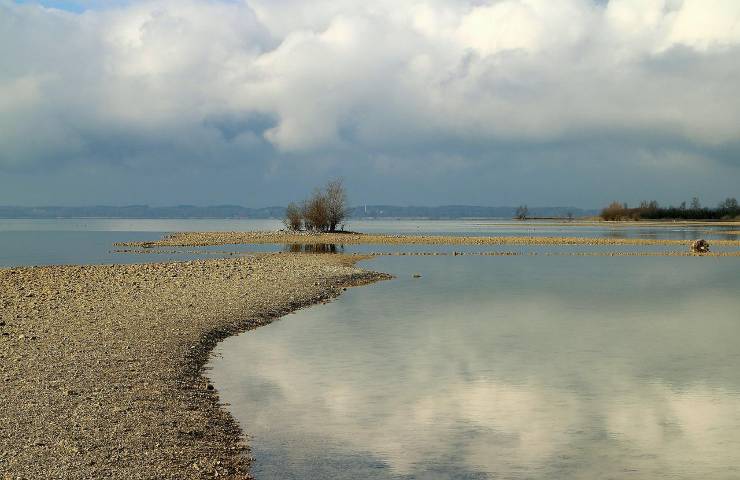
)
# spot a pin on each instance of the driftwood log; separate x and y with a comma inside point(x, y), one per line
point(699, 246)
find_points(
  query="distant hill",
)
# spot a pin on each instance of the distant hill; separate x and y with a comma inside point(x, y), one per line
point(142, 211)
point(463, 211)
point(236, 211)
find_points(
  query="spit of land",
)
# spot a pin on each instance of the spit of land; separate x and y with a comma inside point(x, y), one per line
point(101, 366)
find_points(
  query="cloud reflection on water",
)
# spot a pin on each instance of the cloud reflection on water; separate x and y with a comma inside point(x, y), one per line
point(475, 372)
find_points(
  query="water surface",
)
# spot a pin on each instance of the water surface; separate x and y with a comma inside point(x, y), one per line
point(486, 367)
point(496, 367)
point(90, 241)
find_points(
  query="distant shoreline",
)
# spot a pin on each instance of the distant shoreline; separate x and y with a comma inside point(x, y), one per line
point(232, 212)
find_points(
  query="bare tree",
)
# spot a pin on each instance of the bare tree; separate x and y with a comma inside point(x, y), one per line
point(322, 212)
point(293, 217)
point(336, 202)
point(695, 203)
point(522, 212)
point(729, 204)
point(307, 225)
point(316, 212)
point(615, 211)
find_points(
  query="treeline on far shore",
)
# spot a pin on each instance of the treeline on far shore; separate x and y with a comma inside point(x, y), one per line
point(726, 210)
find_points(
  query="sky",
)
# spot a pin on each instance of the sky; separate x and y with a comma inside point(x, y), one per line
point(419, 102)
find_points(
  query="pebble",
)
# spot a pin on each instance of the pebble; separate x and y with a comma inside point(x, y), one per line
point(185, 239)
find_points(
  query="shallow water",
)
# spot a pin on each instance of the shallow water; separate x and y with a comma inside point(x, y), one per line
point(500, 367)
point(90, 241)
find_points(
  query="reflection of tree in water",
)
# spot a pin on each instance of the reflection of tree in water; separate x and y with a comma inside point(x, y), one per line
point(314, 248)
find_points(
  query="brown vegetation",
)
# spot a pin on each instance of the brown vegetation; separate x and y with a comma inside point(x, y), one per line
point(726, 210)
point(324, 211)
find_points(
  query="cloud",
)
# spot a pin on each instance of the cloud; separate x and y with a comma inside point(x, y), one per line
point(179, 81)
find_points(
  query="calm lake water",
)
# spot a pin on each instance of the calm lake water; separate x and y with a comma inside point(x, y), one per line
point(503, 367)
point(525, 367)
point(90, 241)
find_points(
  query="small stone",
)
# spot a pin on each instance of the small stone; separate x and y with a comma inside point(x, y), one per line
point(699, 246)
point(209, 387)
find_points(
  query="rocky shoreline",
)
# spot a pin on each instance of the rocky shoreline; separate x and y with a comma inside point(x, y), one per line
point(666, 253)
point(102, 366)
point(200, 239)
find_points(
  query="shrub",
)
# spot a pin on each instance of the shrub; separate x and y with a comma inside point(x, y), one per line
point(522, 212)
point(336, 203)
point(316, 212)
point(322, 212)
point(293, 217)
point(615, 211)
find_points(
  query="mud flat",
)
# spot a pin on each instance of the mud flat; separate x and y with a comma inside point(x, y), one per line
point(200, 239)
point(101, 367)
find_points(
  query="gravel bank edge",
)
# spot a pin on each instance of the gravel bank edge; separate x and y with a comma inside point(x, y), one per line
point(199, 356)
point(200, 239)
point(103, 377)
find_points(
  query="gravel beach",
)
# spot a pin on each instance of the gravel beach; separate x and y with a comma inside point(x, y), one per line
point(101, 366)
point(199, 239)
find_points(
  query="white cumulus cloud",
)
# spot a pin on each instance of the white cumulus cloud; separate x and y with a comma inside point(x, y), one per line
point(164, 79)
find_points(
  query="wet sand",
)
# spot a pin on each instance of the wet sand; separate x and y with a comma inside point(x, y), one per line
point(101, 366)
